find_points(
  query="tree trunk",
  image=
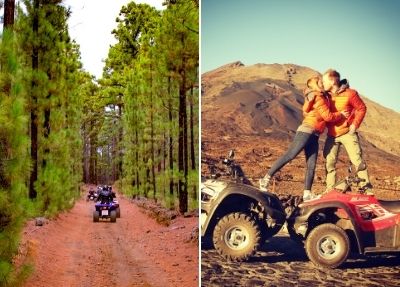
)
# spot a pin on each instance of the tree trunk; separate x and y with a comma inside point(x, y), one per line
point(153, 177)
point(185, 147)
point(170, 142)
point(34, 119)
point(137, 161)
point(185, 140)
point(46, 133)
point(164, 168)
point(92, 161)
point(182, 156)
point(4, 181)
point(46, 126)
point(86, 158)
point(9, 9)
point(192, 142)
point(120, 138)
point(114, 157)
point(192, 151)
point(146, 190)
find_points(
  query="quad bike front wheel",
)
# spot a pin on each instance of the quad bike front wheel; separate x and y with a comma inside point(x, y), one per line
point(236, 236)
point(327, 245)
point(118, 210)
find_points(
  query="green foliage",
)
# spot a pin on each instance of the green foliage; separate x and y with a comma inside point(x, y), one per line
point(156, 55)
point(58, 105)
point(54, 84)
point(132, 122)
point(14, 159)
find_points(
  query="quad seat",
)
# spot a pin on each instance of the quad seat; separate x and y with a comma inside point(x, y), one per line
point(390, 205)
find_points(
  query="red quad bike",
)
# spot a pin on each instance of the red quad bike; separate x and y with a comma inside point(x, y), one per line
point(341, 221)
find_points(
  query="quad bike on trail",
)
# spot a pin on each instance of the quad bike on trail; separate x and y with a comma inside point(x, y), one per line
point(106, 206)
point(115, 201)
point(239, 218)
point(92, 195)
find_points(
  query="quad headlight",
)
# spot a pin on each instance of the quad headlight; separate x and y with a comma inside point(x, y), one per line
point(207, 194)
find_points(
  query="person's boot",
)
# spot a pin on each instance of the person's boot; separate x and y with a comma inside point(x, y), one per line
point(308, 195)
point(367, 189)
point(264, 182)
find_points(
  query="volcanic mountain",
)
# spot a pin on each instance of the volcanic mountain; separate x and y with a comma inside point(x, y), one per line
point(256, 111)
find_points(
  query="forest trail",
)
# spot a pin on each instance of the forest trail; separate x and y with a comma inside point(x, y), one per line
point(72, 250)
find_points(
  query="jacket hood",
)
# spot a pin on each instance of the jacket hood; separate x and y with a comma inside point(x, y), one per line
point(343, 85)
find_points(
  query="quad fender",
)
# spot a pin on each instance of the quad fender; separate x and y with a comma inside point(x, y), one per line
point(311, 211)
point(238, 197)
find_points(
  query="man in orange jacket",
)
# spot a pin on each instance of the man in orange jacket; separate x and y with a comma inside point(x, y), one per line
point(344, 131)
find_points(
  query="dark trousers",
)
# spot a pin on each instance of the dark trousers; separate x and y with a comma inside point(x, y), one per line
point(308, 142)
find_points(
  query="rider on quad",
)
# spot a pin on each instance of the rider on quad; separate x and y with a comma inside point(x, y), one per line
point(105, 195)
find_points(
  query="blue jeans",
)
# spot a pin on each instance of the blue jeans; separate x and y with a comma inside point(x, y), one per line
point(308, 142)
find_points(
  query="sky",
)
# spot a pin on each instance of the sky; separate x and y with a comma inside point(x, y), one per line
point(91, 24)
point(358, 38)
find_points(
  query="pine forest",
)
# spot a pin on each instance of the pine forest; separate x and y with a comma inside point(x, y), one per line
point(136, 127)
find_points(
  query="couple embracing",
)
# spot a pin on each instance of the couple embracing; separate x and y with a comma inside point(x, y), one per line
point(329, 103)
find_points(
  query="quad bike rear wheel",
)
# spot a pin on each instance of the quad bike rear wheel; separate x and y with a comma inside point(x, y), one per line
point(118, 210)
point(113, 216)
point(96, 216)
point(237, 236)
point(327, 245)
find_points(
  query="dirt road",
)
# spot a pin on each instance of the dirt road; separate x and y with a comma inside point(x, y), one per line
point(281, 262)
point(135, 251)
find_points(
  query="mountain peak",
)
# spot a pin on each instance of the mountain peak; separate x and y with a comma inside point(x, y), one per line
point(264, 97)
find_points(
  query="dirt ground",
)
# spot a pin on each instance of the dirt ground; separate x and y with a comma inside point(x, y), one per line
point(72, 250)
point(282, 262)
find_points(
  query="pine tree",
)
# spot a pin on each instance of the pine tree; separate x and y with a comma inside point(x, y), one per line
point(14, 159)
point(55, 106)
point(154, 67)
point(179, 33)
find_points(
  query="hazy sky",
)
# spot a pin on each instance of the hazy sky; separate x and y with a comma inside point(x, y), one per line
point(91, 24)
point(360, 39)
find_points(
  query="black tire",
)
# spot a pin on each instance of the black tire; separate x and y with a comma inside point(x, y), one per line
point(96, 216)
point(246, 242)
point(327, 246)
point(113, 216)
point(118, 210)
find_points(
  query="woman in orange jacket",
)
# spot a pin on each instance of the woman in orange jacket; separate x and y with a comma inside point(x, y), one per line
point(316, 113)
